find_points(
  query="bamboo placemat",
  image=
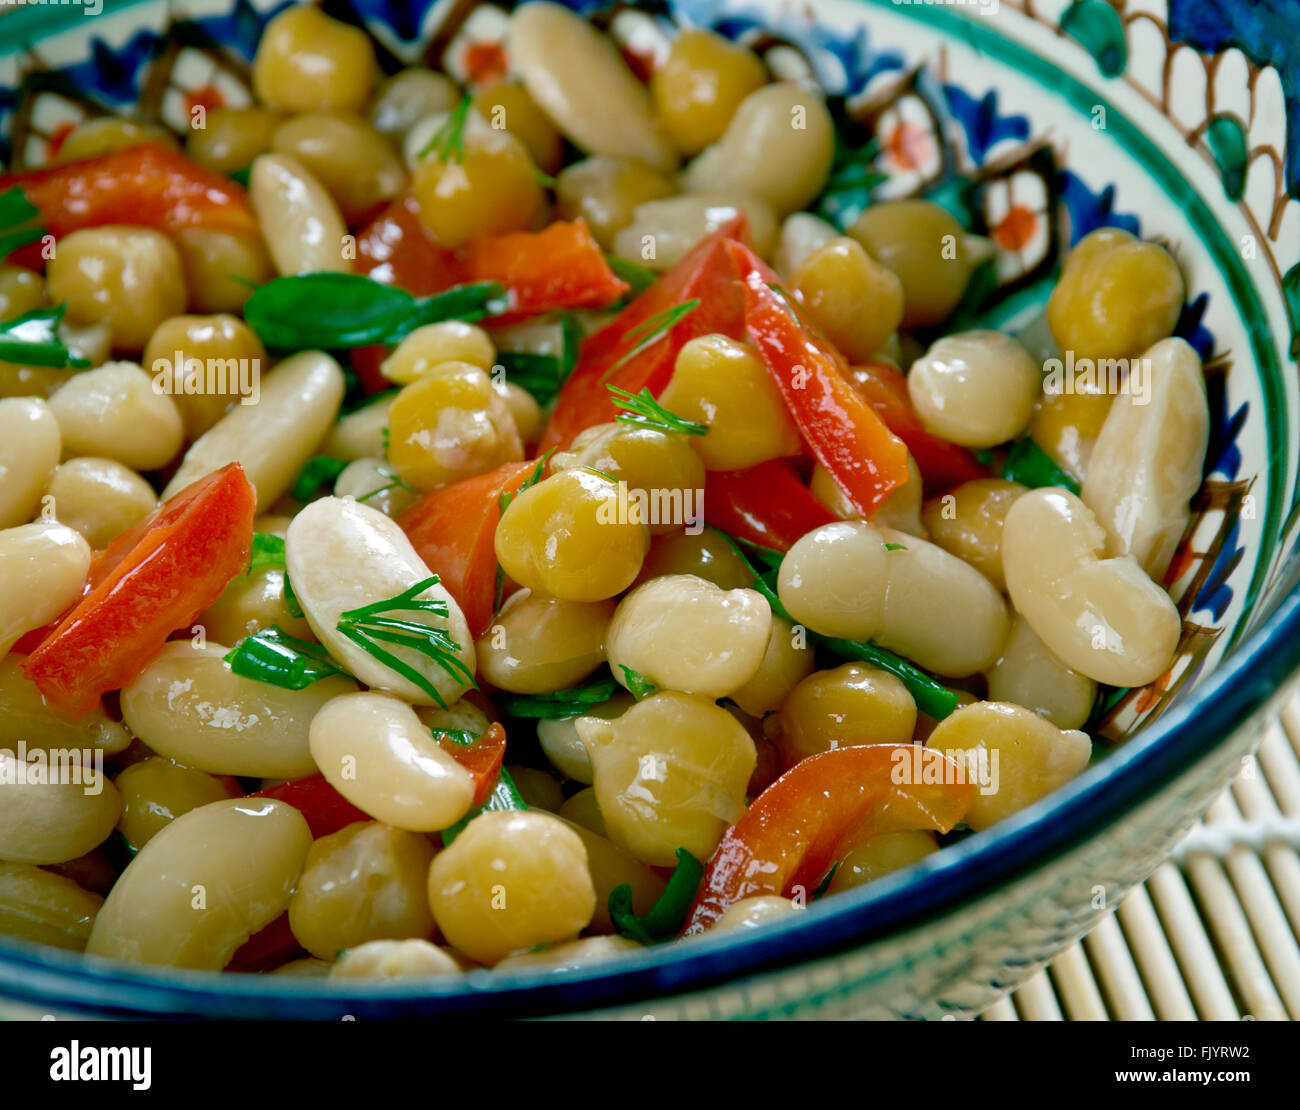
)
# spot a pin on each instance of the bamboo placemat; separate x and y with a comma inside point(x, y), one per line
point(1212, 935)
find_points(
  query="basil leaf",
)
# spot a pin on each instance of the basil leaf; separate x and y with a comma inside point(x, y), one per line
point(666, 918)
point(32, 339)
point(322, 470)
point(638, 685)
point(540, 375)
point(268, 551)
point(563, 703)
point(1031, 466)
point(278, 659)
point(18, 217)
point(505, 796)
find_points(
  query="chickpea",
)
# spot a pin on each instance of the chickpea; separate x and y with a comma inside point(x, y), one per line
point(450, 424)
point(606, 192)
point(900, 510)
point(358, 166)
point(722, 383)
point(1066, 426)
point(115, 412)
point(561, 744)
point(524, 411)
point(409, 96)
point(706, 555)
point(928, 250)
point(764, 152)
point(21, 291)
point(538, 644)
point(574, 954)
point(43, 908)
point(583, 809)
point(665, 478)
point(663, 232)
point(1116, 296)
point(221, 270)
point(156, 791)
point(787, 660)
point(375, 483)
point(612, 867)
point(802, 236)
point(508, 107)
point(100, 498)
point(670, 772)
point(699, 86)
point(882, 854)
point(307, 62)
point(1022, 757)
point(183, 350)
point(538, 789)
point(365, 882)
point(967, 522)
point(128, 277)
point(427, 348)
point(851, 705)
point(548, 532)
point(684, 633)
point(832, 580)
point(102, 135)
point(1102, 616)
point(231, 138)
point(250, 603)
point(1029, 674)
point(395, 959)
point(854, 299)
point(509, 881)
point(750, 913)
point(300, 222)
point(491, 190)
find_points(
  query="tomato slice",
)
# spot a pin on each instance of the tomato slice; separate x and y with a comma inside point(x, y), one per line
point(150, 581)
point(819, 810)
point(323, 808)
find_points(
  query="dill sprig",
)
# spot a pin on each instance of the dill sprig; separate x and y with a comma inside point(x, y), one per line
point(649, 333)
point(645, 412)
point(449, 140)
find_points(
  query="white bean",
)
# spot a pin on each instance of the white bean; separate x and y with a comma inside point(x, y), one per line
point(662, 232)
point(45, 908)
point(375, 483)
point(188, 705)
point(778, 146)
point(342, 555)
point(375, 752)
point(1102, 616)
point(203, 885)
point(274, 438)
point(29, 452)
point(1146, 464)
point(394, 959)
point(100, 498)
point(562, 745)
point(44, 821)
point(1028, 673)
point(360, 434)
point(407, 97)
point(26, 716)
point(578, 78)
point(115, 412)
point(802, 235)
point(42, 570)
point(300, 222)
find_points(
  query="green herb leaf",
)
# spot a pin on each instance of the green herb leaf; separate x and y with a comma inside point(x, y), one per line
point(666, 918)
point(370, 625)
point(638, 685)
point(241, 175)
point(825, 884)
point(573, 702)
point(649, 333)
point(32, 339)
point(448, 141)
point(278, 659)
point(17, 221)
point(268, 551)
point(322, 470)
point(505, 796)
point(536, 476)
point(540, 375)
point(545, 180)
point(572, 334)
point(1031, 466)
point(337, 311)
point(644, 411)
point(895, 547)
point(395, 482)
point(461, 736)
point(638, 277)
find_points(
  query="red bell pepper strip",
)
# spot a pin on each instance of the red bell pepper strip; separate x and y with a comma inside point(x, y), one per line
point(153, 579)
point(864, 457)
point(323, 808)
point(453, 529)
point(268, 948)
point(766, 504)
point(707, 274)
point(482, 758)
point(818, 811)
point(147, 186)
point(394, 248)
point(942, 464)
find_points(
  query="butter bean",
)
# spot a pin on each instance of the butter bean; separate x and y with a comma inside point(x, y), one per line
point(29, 452)
point(53, 821)
point(43, 567)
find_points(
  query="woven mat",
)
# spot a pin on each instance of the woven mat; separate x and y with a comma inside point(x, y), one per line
point(1212, 935)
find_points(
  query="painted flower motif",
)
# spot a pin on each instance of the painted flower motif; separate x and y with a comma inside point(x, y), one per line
point(207, 97)
point(484, 62)
point(908, 147)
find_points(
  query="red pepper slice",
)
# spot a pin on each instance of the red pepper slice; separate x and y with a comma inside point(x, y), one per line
point(268, 948)
point(453, 528)
point(942, 464)
point(819, 810)
point(153, 579)
point(707, 273)
point(766, 504)
point(482, 758)
point(323, 808)
point(864, 457)
point(147, 186)
point(394, 248)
